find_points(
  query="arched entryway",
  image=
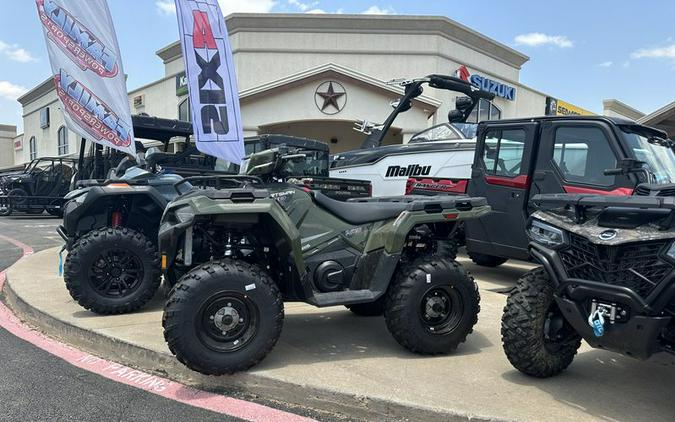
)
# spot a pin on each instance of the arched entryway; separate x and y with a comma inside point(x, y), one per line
point(338, 134)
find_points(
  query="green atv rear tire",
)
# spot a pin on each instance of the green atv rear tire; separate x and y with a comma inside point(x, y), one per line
point(432, 306)
point(112, 270)
point(223, 317)
point(528, 341)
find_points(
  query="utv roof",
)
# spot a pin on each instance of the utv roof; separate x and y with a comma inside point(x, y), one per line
point(291, 141)
point(69, 159)
point(618, 121)
point(155, 128)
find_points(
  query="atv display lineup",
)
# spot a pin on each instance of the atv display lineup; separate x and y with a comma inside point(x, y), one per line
point(236, 243)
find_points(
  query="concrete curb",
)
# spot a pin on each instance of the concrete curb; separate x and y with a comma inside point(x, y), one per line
point(250, 386)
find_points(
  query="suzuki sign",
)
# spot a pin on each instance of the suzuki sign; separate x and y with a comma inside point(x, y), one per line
point(486, 84)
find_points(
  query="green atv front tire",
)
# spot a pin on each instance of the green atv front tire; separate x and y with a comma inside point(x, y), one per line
point(112, 270)
point(223, 317)
point(530, 342)
point(432, 306)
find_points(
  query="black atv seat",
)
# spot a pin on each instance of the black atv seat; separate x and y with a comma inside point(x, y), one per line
point(360, 212)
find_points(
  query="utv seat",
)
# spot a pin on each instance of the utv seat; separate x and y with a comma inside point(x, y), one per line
point(360, 212)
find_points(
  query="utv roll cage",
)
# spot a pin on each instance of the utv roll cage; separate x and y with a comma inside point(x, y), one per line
point(101, 161)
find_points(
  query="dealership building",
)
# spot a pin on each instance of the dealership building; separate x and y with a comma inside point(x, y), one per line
point(315, 76)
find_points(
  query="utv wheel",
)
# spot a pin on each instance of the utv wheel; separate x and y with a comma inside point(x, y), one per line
point(486, 260)
point(432, 306)
point(537, 339)
point(368, 309)
point(223, 317)
point(112, 270)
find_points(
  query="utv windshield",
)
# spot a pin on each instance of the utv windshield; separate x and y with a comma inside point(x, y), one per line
point(446, 132)
point(656, 152)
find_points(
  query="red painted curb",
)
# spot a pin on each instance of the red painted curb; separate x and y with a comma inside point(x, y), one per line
point(119, 373)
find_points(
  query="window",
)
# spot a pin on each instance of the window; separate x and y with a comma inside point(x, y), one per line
point(484, 110)
point(63, 140)
point(44, 118)
point(443, 132)
point(503, 152)
point(32, 145)
point(582, 154)
point(184, 111)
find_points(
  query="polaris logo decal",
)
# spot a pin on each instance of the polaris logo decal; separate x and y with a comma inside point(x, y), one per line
point(90, 112)
point(77, 41)
point(411, 170)
point(607, 235)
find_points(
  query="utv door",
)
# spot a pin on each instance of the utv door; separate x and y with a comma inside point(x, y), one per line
point(501, 173)
point(573, 157)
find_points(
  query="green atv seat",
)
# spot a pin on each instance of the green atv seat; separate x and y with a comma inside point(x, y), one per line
point(360, 212)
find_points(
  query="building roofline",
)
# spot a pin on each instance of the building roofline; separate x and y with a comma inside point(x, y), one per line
point(663, 113)
point(364, 24)
point(8, 128)
point(304, 75)
point(622, 108)
point(43, 88)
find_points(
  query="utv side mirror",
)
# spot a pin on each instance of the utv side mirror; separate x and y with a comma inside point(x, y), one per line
point(626, 166)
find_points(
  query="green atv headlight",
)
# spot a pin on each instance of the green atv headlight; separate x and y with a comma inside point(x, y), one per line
point(184, 214)
point(545, 234)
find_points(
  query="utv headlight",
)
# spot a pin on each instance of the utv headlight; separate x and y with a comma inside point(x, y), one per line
point(545, 234)
point(671, 252)
point(184, 214)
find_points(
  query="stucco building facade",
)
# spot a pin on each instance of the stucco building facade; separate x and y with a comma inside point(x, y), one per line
point(287, 64)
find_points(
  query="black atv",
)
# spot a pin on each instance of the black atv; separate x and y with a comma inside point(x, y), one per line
point(40, 186)
point(607, 276)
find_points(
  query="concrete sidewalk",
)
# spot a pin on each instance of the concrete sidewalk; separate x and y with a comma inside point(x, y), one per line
point(333, 361)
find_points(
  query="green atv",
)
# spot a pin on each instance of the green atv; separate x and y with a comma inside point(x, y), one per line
point(245, 249)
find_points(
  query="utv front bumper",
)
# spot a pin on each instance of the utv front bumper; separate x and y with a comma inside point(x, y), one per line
point(639, 319)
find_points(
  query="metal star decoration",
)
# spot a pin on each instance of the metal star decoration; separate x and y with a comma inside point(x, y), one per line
point(330, 97)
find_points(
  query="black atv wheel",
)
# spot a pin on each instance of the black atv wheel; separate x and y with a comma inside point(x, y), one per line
point(112, 270)
point(432, 306)
point(223, 317)
point(537, 339)
point(486, 260)
point(368, 309)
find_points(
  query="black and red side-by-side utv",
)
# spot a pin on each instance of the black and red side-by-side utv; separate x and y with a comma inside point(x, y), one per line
point(517, 159)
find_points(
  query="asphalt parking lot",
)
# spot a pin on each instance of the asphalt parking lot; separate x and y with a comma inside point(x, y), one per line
point(39, 386)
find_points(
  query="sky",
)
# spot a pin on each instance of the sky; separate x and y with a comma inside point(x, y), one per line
point(580, 51)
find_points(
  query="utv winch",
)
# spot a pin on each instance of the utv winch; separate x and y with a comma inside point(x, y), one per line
point(247, 248)
point(607, 276)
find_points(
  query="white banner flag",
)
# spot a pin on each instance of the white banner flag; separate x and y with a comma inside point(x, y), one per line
point(87, 68)
point(214, 98)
